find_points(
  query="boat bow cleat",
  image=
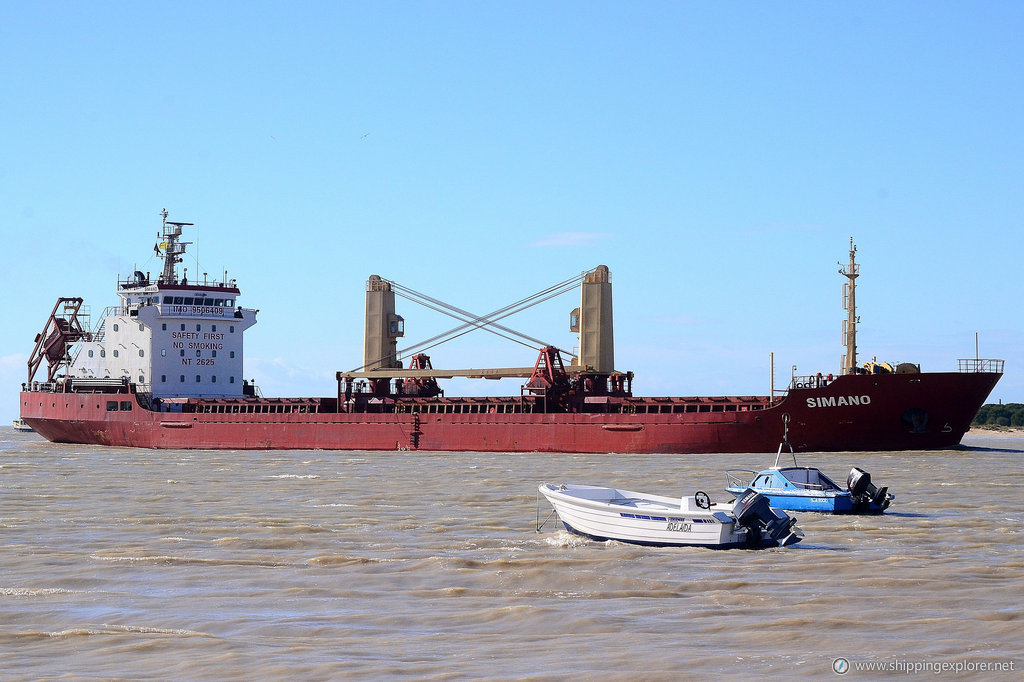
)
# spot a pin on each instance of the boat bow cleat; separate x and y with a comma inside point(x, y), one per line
point(753, 511)
point(865, 493)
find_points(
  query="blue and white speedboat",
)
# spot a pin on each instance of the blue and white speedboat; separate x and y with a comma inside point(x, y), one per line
point(798, 488)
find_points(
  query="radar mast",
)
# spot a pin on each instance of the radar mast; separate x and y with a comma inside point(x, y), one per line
point(172, 248)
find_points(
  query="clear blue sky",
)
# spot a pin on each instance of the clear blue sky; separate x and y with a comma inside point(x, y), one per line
point(716, 156)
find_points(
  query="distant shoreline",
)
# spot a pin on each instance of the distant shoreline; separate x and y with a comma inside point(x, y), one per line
point(995, 432)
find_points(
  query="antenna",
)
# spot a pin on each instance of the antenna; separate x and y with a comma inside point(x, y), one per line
point(851, 271)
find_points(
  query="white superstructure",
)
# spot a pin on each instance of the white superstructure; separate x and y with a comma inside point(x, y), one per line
point(171, 337)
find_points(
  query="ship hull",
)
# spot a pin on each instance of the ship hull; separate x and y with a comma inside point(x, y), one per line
point(925, 411)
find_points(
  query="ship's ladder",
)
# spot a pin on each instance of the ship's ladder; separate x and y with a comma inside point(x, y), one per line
point(414, 435)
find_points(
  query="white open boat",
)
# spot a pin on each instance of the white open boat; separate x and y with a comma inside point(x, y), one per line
point(603, 513)
point(20, 425)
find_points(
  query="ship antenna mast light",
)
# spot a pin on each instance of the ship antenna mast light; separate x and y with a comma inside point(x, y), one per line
point(851, 271)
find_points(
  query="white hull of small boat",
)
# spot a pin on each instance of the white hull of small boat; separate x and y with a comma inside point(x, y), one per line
point(605, 513)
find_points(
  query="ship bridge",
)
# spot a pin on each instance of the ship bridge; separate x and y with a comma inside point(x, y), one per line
point(172, 337)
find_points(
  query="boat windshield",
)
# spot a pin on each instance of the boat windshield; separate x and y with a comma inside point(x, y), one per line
point(807, 477)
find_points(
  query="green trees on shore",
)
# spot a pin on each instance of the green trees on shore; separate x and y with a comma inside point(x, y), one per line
point(1009, 414)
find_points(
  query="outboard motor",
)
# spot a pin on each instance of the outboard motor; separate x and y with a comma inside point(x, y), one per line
point(864, 491)
point(753, 512)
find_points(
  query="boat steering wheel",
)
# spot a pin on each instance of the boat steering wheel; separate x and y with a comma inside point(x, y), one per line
point(702, 500)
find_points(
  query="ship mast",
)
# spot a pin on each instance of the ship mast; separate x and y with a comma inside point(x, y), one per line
point(851, 271)
point(172, 248)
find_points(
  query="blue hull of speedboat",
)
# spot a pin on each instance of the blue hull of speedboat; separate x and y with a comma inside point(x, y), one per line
point(823, 503)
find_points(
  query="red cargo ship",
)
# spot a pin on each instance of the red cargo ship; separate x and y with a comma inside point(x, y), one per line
point(163, 369)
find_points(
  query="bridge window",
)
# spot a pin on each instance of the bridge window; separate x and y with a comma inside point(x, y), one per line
point(126, 405)
point(181, 378)
point(111, 406)
point(163, 327)
point(213, 379)
point(163, 378)
point(163, 352)
point(198, 327)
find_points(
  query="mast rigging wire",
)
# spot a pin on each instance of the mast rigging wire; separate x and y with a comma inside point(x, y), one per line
point(486, 322)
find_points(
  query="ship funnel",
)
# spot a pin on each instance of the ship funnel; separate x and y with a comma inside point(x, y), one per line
point(593, 321)
point(383, 326)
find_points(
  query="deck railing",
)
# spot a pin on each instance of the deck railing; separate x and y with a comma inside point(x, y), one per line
point(981, 365)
